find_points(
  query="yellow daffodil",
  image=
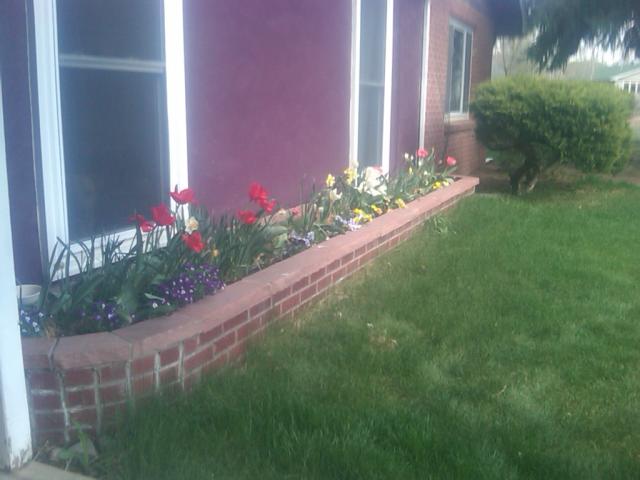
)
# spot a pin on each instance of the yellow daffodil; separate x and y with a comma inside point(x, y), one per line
point(437, 185)
point(215, 252)
point(350, 175)
point(331, 181)
point(400, 203)
point(376, 209)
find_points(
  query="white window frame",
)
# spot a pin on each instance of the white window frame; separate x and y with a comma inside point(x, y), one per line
point(356, 7)
point(424, 83)
point(51, 135)
point(466, 30)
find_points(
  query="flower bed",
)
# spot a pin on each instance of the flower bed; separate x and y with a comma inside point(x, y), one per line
point(83, 381)
point(182, 254)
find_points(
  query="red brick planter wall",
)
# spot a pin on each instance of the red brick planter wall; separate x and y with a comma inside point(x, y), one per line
point(83, 381)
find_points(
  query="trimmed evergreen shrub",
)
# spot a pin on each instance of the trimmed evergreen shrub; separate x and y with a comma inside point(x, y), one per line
point(540, 122)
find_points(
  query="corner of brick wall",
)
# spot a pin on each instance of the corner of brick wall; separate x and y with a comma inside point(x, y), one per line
point(85, 382)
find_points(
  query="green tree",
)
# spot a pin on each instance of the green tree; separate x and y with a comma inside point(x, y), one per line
point(539, 122)
point(562, 26)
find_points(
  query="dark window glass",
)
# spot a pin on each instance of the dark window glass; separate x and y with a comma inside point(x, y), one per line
point(111, 28)
point(114, 147)
point(459, 71)
point(372, 73)
point(455, 70)
point(467, 74)
point(113, 108)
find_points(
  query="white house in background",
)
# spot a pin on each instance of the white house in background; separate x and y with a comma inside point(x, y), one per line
point(628, 81)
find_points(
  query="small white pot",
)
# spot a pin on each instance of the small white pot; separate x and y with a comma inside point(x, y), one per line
point(28, 294)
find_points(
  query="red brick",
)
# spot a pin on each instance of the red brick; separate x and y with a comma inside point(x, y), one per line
point(338, 274)
point(80, 398)
point(259, 308)
point(281, 295)
point(168, 375)
point(143, 384)
point(225, 342)
point(237, 352)
point(113, 393)
point(307, 293)
point(208, 336)
point(113, 373)
point(324, 283)
point(248, 328)
point(47, 401)
point(300, 284)
point(333, 265)
point(372, 244)
point(317, 275)
point(143, 365)
point(290, 303)
point(49, 421)
point(170, 355)
point(199, 359)
point(189, 346)
point(45, 380)
point(77, 378)
point(235, 321)
point(346, 259)
point(360, 251)
point(269, 316)
point(88, 416)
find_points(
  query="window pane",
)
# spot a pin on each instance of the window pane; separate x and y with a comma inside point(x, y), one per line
point(467, 73)
point(372, 40)
point(111, 28)
point(370, 126)
point(372, 66)
point(455, 70)
point(113, 125)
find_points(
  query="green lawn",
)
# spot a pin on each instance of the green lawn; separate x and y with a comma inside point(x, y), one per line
point(502, 342)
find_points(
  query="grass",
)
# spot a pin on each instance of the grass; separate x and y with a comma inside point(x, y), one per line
point(501, 342)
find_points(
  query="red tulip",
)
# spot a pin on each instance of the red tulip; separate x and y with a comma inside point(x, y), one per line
point(183, 196)
point(267, 206)
point(421, 153)
point(193, 241)
point(257, 193)
point(247, 216)
point(451, 162)
point(145, 225)
point(162, 216)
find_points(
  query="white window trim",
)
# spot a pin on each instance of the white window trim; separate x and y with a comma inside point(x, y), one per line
point(460, 114)
point(424, 83)
point(51, 139)
point(355, 85)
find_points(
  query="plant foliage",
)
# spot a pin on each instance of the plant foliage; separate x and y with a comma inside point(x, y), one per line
point(541, 122)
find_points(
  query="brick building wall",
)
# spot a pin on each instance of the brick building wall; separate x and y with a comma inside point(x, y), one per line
point(456, 137)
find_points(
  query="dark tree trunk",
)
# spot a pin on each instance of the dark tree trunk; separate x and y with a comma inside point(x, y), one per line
point(526, 175)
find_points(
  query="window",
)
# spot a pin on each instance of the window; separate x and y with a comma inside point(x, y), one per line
point(459, 69)
point(371, 84)
point(627, 87)
point(112, 111)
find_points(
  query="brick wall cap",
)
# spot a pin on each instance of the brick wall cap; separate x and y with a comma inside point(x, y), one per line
point(148, 337)
point(93, 349)
point(37, 352)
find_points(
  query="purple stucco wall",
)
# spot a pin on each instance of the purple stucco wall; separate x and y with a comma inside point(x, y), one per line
point(267, 95)
point(19, 140)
